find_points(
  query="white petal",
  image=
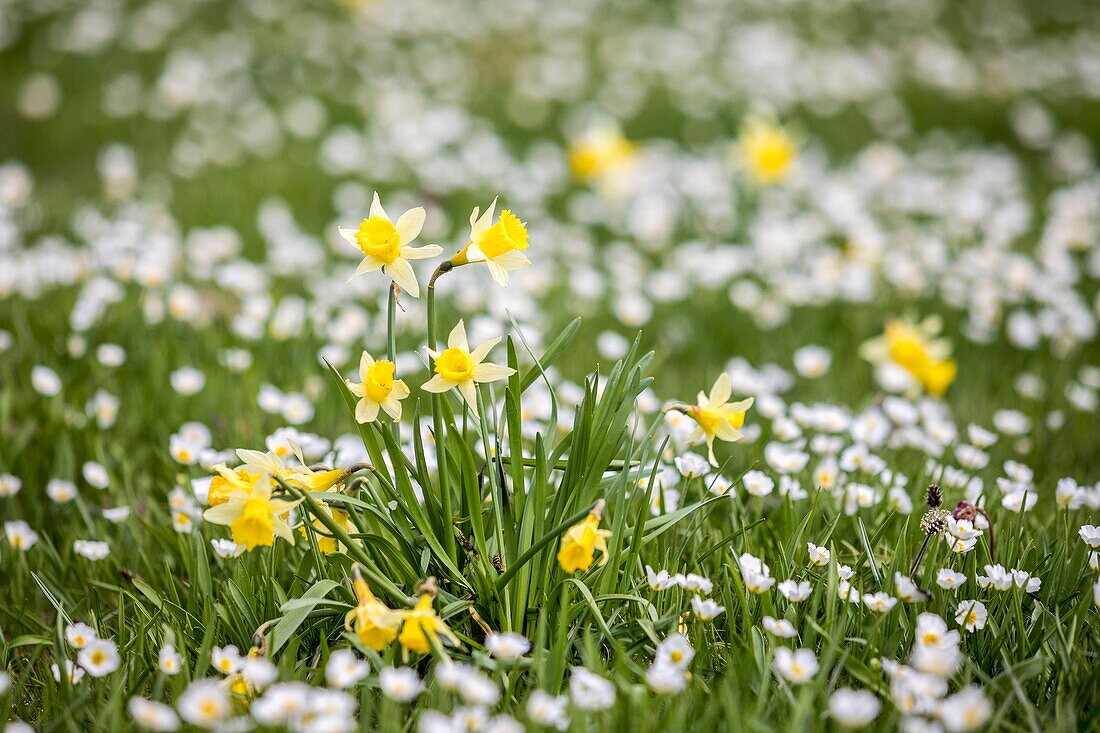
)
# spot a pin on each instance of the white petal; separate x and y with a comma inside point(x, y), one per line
point(457, 338)
point(376, 208)
point(409, 224)
point(512, 260)
point(478, 355)
point(437, 384)
point(421, 253)
point(402, 273)
point(366, 411)
point(469, 394)
point(721, 390)
point(369, 264)
point(349, 236)
point(392, 407)
point(491, 372)
point(499, 273)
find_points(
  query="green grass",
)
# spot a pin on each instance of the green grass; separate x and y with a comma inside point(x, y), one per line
point(487, 525)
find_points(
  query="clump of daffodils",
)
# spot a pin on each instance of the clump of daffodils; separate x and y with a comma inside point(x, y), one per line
point(917, 350)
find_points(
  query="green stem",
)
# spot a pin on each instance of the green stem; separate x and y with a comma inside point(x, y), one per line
point(491, 467)
point(391, 342)
point(437, 428)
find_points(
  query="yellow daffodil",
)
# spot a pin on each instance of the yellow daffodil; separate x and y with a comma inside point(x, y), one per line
point(766, 150)
point(458, 367)
point(254, 518)
point(717, 417)
point(422, 626)
point(377, 390)
point(227, 480)
point(582, 541)
point(385, 245)
point(371, 620)
point(916, 348)
point(500, 246)
point(258, 465)
point(601, 152)
point(326, 543)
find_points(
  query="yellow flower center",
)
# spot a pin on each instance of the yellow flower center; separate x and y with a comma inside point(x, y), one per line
point(454, 365)
point(98, 658)
point(506, 235)
point(378, 238)
point(931, 637)
point(676, 656)
point(254, 526)
point(379, 382)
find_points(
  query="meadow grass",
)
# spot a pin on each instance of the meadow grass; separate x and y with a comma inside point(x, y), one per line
point(681, 595)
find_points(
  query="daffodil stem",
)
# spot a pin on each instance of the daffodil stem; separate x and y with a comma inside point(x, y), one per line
point(378, 580)
point(920, 555)
point(498, 493)
point(391, 341)
point(437, 428)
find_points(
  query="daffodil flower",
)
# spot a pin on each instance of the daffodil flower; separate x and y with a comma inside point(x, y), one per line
point(717, 417)
point(500, 246)
point(254, 518)
point(227, 480)
point(326, 543)
point(601, 152)
point(385, 245)
point(371, 620)
point(916, 348)
point(458, 367)
point(766, 150)
point(422, 626)
point(582, 541)
point(377, 390)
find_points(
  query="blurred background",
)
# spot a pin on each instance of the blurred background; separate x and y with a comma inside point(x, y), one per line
point(734, 180)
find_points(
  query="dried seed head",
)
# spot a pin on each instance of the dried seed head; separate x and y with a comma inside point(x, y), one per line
point(935, 496)
point(934, 521)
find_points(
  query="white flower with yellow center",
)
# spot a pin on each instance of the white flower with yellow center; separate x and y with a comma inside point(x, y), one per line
point(254, 518)
point(717, 417)
point(377, 390)
point(459, 367)
point(385, 245)
point(99, 657)
point(500, 246)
